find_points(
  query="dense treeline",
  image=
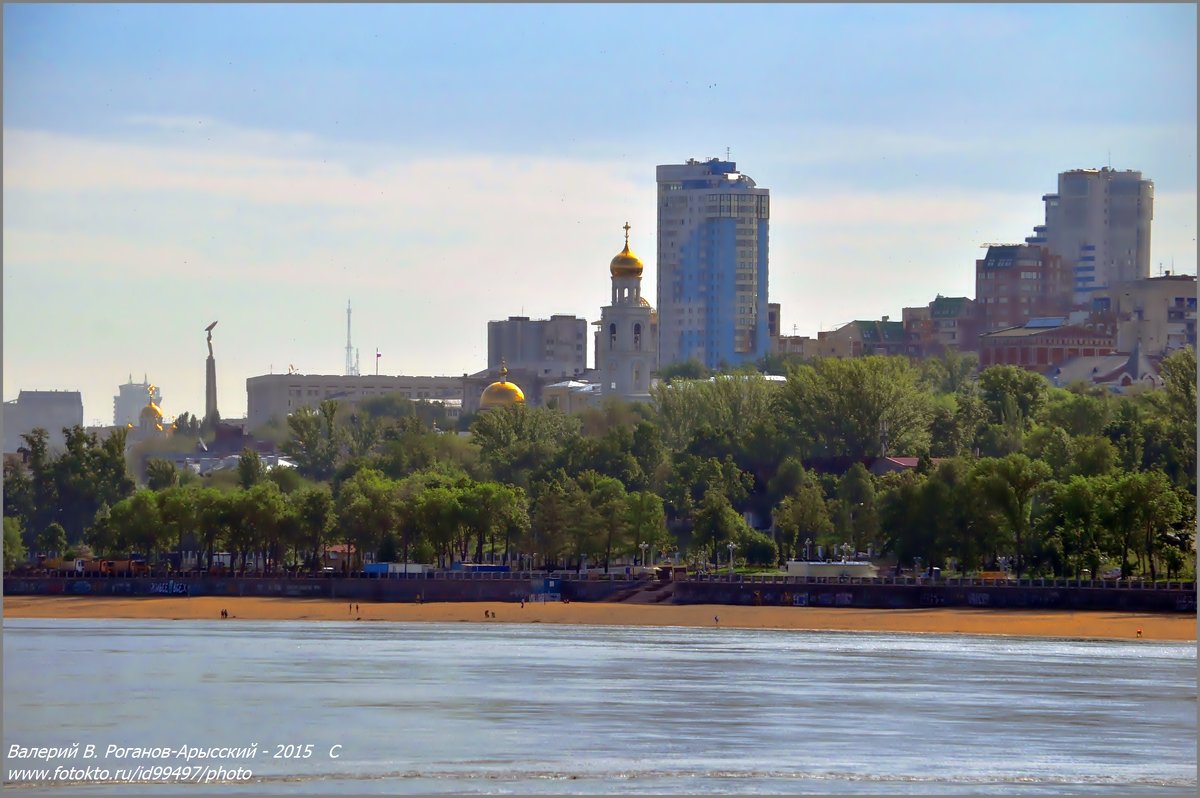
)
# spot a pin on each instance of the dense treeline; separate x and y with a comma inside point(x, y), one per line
point(1012, 473)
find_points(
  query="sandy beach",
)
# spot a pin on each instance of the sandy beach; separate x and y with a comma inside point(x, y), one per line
point(1033, 623)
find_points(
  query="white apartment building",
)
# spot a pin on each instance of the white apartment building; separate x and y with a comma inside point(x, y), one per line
point(1099, 224)
point(131, 398)
point(713, 225)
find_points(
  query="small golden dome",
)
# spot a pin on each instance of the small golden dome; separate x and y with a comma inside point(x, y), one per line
point(501, 393)
point(625, 264)
point(152, 410)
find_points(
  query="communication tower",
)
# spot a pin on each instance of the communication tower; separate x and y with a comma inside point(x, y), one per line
point(351, 355)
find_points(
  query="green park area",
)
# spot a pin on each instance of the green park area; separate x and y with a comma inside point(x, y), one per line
point(992, 469)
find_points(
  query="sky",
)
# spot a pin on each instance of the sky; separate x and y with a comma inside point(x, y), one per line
point(440, 166)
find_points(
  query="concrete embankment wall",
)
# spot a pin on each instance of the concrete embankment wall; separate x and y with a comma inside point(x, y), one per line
point(477, 587)
point(1181, 598)
point(505, 587)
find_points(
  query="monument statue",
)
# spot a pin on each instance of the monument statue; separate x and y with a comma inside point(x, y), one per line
point(210, 379)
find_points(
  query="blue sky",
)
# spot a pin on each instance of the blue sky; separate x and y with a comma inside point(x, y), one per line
point(445, 165)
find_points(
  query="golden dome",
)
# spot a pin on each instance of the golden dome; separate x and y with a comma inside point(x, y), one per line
point(501, 393)
point(625, 264)
point(153, 410)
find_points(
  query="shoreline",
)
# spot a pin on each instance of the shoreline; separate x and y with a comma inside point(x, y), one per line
point(1064, 624)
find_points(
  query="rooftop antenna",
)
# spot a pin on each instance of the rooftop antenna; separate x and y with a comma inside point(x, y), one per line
point(727, 153)
point(351, 363)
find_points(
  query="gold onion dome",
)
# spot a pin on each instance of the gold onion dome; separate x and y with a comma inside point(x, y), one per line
point(501, 393)
point(626, 264)
point(152, 410)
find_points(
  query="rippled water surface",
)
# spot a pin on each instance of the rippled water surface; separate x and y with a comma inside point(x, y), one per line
point(470, 708)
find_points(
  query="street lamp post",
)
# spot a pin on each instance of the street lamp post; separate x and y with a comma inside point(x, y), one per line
point(643, 546)
point(731, 547)
point(807, 546)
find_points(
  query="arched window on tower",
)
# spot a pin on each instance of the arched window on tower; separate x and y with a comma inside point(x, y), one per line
point(637, 337)
point(612, 336)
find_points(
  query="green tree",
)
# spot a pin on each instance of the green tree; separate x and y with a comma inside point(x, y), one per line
point(803, 516)
point(1012, 394)
point(518, 444)
point(14, 544)
point(53, 539)
point(315, 440)
point(904, 520)
point(43, 489)
point(313, 508)
point(717, 523)
point(1156, 507)
point(187, 424)
point(691, 369)
point(18, 491)
point(609, 504)
point(1076, 509)
point(366, 510)
point(756, 548)
point(1092, 455)
point(177, 508)
point(554, 502)
point(1010, 485)
point(215, 515)
point(858, 514)
point(857, 408)
point(1176, 405)
point(646, 521)
point(440, 515)
point(1082, 410)
point(137, 524)
point(161, 473)
point(263, 511)
point(251, 470)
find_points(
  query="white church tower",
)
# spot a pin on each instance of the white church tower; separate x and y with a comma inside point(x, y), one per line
point(627, 341)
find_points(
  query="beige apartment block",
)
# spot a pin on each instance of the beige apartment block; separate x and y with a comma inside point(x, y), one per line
point(1158, 313)
point(275, 396)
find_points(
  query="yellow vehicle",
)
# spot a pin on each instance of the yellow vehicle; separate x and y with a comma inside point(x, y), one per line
point(75, 565)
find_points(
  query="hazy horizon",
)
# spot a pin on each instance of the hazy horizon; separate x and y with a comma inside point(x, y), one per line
point(441, 166)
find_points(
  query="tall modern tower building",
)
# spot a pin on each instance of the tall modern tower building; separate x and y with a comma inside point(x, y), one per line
point(712, 264)
point(1099, 224)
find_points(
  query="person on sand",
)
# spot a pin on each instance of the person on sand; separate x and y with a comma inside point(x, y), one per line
point(716, 619)
point(522, 603)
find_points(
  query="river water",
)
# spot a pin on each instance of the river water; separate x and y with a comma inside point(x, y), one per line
point(472, 708)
